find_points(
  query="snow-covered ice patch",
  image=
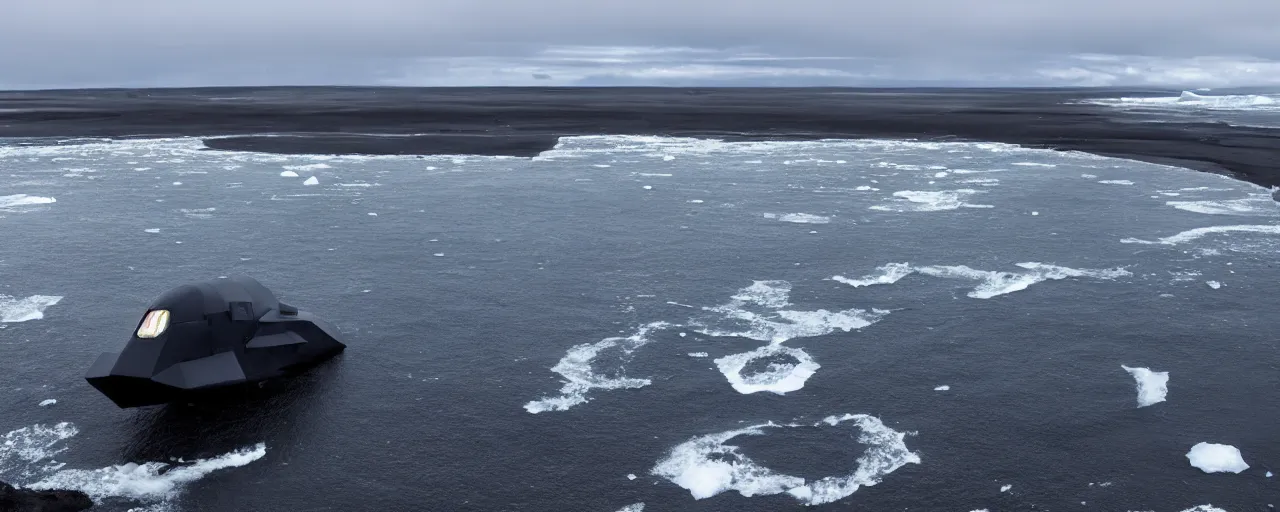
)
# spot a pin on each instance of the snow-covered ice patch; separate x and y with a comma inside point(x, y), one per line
point(942, 388)
point(634, 507)
point(288, 174)
point(757, 312)
point(1213, 284)
point(576, 367)
point(798, 218)
point(780, 377)
point(153, 483)
point(706, 466)
point(13, 310)
point(1216, 458)
point(46, 403)
point(886, 274)
point(930, 201)
point(311, 181)
point(1153, 387)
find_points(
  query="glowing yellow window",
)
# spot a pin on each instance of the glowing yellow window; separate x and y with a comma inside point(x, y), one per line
point(154, 323)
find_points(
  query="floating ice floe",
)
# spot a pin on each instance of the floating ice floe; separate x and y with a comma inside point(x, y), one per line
point(1204, 508)
point(780, 377)
point(992, 283)
point(942, 388)
point(13, 310)
point(932, 201)
point(1005, 488)
point(311, 181)
point(576, 367)
point(1197, 233)
point(1116, 182)
point(698, 354)
point(1152, 388)
point(1216, 458)
point(634, 507)
point(799, 218)
point(706, 466)
point(46, 403)
point(151, 230)
point(757, 312)
point(1213, 284)
point(288, 174)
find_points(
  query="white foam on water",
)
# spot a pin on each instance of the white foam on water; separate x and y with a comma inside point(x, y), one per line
point(1216, 458)
point(942, 388)
point(864, 188)
point(151, 230)
point(198, 213)
point(46, 403)
point(888, 273)
point(648, 187)
point(1193, 101)
point(799, 218)
point(931, 201)
point(706, 466)
point(153, 483)
point(634, 507)
point(942, 174)
point(177, 183)
point(1116, 182)
point(18, 200)
point(992, 283)
point(14, 310)
point(29, 451)
point(654, 174)
point(1251, 206)
point(1204, 508)
point(770, 322)
point(1089, 176)
point(698, 354)
point(696, 201)
point(779, 378)
point(1197, 233)
point(1213, 284)
point(311, 181)
point(288, 174)
point(980, 181)
point(1033, 164)
point(579, 376)
point(307, 167)
point(1152, 387)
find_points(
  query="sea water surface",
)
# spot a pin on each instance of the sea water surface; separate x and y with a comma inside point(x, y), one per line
point(646, 323)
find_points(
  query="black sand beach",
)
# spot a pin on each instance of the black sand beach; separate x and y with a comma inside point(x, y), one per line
point(526, 121)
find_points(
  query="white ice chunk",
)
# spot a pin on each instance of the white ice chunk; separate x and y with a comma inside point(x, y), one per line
point(311, 181)
point(698, 354)
point(1153, 387)
point(13, 310)
point(634, 507)
point(1213, 284)
point(289, 174)
point(1216, 458)
point(648, 187)
point(46, 403)
point(152, 230)
point(779, 378)
point(16, 200)
point(576, 367)
point(943, 387)
point(631, 476)
point(888, 274)
point(1005, 488)
point(1116, 182)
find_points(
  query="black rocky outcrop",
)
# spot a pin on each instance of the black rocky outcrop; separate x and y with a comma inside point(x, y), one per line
point(13, 499)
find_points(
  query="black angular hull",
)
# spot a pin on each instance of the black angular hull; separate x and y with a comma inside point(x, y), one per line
point(218, 342)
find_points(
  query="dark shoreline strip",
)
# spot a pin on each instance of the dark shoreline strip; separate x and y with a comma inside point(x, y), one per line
point(523, 122)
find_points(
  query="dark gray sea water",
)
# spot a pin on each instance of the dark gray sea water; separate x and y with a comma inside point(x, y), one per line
point(680, 323)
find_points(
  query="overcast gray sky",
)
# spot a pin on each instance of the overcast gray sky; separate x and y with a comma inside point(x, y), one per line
point(95, 43)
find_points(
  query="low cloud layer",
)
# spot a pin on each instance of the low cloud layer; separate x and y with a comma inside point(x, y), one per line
point(88, 43)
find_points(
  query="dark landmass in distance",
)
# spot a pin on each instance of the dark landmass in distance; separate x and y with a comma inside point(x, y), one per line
point(526, 121)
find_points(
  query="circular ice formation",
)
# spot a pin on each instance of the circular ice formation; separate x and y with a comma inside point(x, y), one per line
point(780, 378)
point(706, 466)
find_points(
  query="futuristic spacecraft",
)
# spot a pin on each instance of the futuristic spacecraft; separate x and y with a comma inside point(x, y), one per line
point(208, 336)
